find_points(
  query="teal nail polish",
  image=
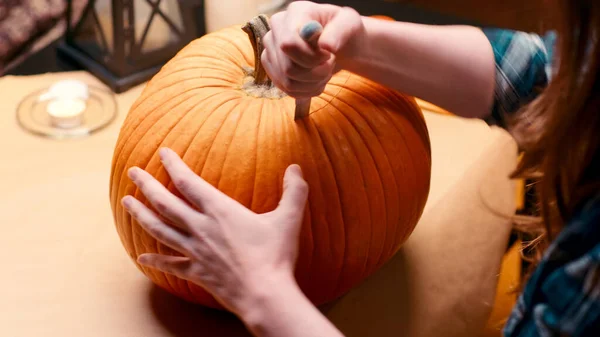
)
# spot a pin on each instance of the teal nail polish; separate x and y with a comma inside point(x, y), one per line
point(310, 29)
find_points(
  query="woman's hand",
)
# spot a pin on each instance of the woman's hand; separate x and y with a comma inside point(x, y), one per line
point(226, 248)
point(302, 69)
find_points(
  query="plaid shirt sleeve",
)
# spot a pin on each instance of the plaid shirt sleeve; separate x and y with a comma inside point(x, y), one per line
point(523, 69)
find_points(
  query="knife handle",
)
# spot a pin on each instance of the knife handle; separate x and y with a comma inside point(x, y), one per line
point(310, 33)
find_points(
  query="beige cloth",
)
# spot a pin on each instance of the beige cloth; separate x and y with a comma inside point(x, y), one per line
point(63, 271)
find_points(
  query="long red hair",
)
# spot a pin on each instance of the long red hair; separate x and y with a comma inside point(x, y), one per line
point(560, 131)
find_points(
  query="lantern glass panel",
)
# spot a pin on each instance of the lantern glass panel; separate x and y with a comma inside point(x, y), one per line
point(157, 24)
point(94, 33)
point(105, 18)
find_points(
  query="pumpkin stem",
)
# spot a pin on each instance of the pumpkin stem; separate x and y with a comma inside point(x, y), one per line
point(256, 29)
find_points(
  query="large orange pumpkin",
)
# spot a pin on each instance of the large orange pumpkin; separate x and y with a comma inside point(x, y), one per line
point(364, 150)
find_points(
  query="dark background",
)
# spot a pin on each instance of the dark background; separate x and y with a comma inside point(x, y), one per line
point(508, 14)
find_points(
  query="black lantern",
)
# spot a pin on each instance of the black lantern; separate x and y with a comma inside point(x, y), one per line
point(125, 42)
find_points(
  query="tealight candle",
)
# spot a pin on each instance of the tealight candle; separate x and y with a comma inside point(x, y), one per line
point(66, 102)
point(66, 112)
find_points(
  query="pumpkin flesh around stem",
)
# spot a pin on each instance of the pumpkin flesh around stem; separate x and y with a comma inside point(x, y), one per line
point(364, 151)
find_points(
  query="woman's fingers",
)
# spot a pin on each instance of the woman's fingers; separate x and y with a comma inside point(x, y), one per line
point(174, 265)
point(302, 89)
point(268, 62)
point(313, 75)
point(340, 30)
point(289, 42)
point(152, 224)
point(295, 194)
point(301, 46)
point(165, 202)
point(195, 189)
point(302, 53)
point(293, 64)
point(310, 86)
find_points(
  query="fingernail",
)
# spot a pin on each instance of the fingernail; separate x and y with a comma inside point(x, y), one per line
point(162, 153)
point(295, 168)
point(126, 201)
point(141, 259)
point(132, 173)
point(310, 29)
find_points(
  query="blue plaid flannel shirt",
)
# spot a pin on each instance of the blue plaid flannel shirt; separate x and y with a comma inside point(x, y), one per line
point(562, 297)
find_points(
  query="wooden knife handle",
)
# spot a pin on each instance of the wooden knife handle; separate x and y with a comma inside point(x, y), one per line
point(310, 33)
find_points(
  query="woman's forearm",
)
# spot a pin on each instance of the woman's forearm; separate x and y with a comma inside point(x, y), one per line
point(281, 309)
point(450, 66)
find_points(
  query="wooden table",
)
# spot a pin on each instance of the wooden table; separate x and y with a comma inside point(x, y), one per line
point(65, 273)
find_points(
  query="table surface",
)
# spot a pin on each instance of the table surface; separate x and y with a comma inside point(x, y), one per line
point(65, 273)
